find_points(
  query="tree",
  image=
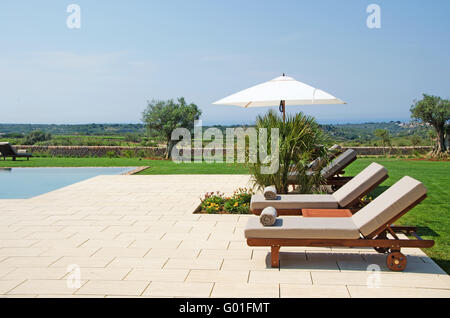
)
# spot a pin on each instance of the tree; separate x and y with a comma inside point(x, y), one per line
point(435, 111)
point(385, 137)
point(415, 140)
point(36, 136)
point(162, 117)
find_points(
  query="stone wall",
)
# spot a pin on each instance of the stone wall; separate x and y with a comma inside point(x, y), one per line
point(103, 151)
point(95, 151)
point(377, 151)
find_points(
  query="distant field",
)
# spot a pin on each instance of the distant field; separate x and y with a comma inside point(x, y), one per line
point(431, 216)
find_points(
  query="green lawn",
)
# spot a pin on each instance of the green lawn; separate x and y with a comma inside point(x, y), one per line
point(156, 166)
point(431, 216)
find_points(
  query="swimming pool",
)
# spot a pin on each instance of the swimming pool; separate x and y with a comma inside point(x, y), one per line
point(24, 183)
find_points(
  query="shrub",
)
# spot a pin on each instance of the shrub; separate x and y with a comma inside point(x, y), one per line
point(300, 141)
point(110, 154)
point(128, 153)
point(36, 136)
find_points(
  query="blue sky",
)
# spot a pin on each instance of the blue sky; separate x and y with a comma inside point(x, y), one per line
point(128, 52)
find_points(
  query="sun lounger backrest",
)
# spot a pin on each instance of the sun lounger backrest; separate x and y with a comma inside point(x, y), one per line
point(339, 163)
point(360, 184)
point(388, 205)
point(6, 149)
point(335, 148)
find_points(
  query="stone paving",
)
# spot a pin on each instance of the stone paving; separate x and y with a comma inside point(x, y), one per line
point(136, 236)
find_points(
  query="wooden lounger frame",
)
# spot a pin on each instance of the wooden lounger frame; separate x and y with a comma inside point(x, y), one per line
point(336, 180)
point(378, 240)
point(353, 206)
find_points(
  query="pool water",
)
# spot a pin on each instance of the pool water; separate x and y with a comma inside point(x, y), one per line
point(24, 183)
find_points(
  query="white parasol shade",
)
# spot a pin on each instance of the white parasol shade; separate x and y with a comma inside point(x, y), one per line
point(282, 89)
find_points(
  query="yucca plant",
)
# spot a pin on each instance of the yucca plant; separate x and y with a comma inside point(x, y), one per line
point(301, 140)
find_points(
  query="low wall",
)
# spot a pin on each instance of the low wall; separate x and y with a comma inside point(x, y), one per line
point(103, 151)
point(377, 151)
point(94, 151)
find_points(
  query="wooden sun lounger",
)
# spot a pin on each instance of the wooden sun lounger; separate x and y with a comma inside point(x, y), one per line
point(348, 197)
point(6, 150)
point(382, 238)
point(334, 171)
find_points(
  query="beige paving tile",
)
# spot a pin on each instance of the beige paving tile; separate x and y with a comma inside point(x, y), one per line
point(29, 261)
point(114, 287)
point(93, 273)
point(122, 252)
point(245, 290)
point(8, 284)
point(173, 289)
point(239, 264)
point(172, 253)
point(158, 275)
point(36, 273)
point(218, 276)
point(82, 261)
point(155, 244)
point(186, 263)
point(43, 287)
point(9, 241)
point(70, 251)
point(282, 276)
point(138, 262)
point(22, 251)
point(313, 291)
point(228, 254)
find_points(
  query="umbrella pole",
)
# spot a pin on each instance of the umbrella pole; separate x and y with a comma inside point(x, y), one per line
point(283, 103)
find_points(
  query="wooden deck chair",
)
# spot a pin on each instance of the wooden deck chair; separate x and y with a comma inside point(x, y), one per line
point(6, 150)
point(370, 227)
point(347, 197)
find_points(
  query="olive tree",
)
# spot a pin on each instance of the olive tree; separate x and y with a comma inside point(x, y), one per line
point(434, 111)
point(162, 117)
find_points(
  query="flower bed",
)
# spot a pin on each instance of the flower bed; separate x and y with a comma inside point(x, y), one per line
point(218, 203)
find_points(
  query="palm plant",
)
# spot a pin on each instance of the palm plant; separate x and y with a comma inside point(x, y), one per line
point(301, 140)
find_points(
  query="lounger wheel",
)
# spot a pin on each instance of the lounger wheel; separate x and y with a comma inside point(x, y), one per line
point(396, 261)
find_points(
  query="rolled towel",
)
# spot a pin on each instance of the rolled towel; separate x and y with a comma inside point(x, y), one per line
point(270, 193)
point(268, 216)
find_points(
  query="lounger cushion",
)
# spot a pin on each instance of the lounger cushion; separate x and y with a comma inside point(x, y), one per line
point(338, 163)
point(389, 204)
point(358, 185)
point(295, 201)
point(296, 227)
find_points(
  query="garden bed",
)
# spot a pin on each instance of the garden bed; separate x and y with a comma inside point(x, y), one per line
point(218, 203)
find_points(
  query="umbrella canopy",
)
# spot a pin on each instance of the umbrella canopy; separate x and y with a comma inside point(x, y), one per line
point(282, 90)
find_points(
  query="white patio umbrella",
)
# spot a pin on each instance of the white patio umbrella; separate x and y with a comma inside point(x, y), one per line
point(282, 91)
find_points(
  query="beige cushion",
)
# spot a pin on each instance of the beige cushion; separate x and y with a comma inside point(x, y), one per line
point(295, 201)
point(296, 227)
point(358, 185)
point(388, 205)
point(339, 163)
